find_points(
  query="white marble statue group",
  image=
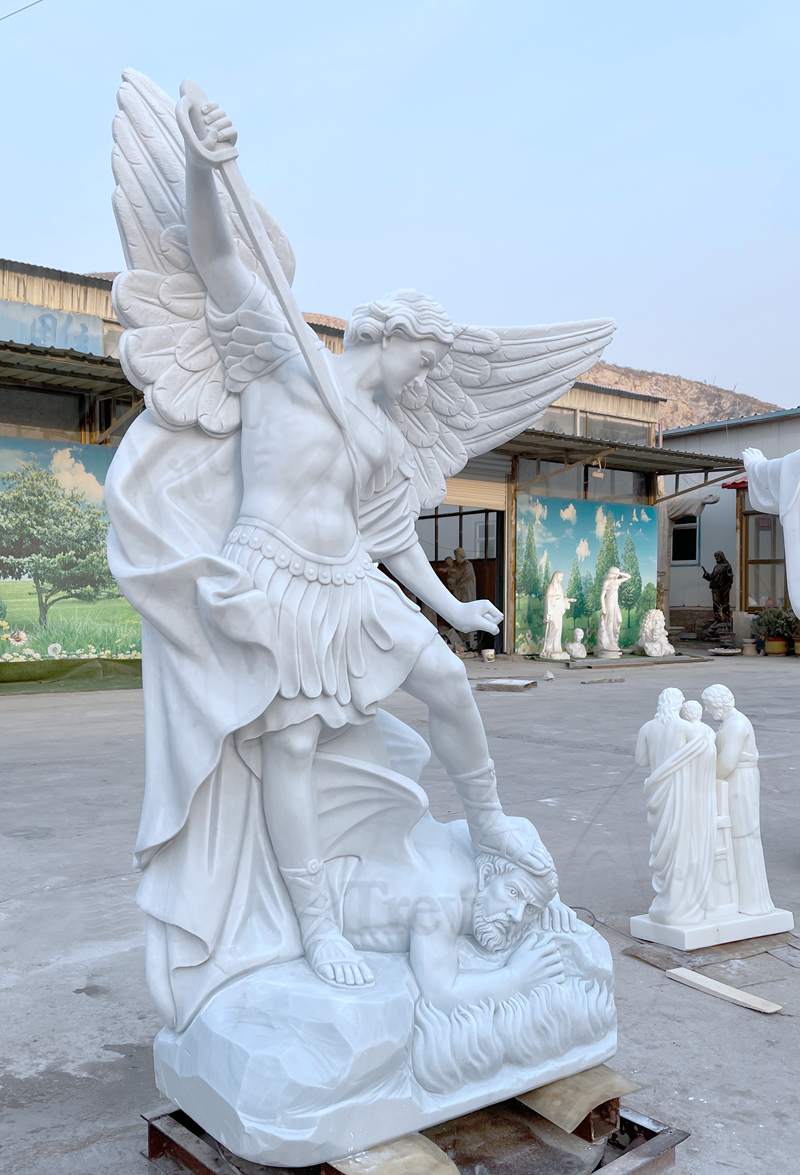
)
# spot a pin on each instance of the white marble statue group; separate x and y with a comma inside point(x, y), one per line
point(703, 811)
point(333, 966)
point(653, 638)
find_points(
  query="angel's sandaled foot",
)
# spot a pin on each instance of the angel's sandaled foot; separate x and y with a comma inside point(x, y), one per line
point(494, 832)
point(335, 961)
point(328, 952)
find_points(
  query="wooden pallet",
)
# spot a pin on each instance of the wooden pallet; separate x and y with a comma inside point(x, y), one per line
point(501, 1138)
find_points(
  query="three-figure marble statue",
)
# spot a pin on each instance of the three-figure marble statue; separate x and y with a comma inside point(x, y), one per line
point(333, 967)
point(703, 811)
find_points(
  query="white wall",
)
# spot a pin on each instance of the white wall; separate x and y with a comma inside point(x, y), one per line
point(775, 438)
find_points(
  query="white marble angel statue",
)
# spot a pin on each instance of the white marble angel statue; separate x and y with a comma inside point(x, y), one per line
point(250, 505)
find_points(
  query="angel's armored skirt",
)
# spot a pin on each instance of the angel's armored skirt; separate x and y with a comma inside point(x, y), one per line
point(345, 636)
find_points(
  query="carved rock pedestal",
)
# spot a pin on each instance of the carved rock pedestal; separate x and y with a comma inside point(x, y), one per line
point(293, 1072)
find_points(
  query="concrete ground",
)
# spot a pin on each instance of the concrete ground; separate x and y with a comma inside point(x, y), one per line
point(75, 1070)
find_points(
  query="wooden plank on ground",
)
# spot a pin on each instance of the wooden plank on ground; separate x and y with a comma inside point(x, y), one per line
point(568, 1101)
point(665, 957)
point(412, 1152)
point(722, 991)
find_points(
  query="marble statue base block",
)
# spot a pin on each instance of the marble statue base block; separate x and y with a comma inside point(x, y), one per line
point(285, 1070)
point(733, 928)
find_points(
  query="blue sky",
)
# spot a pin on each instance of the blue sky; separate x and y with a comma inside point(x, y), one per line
point(521, 161)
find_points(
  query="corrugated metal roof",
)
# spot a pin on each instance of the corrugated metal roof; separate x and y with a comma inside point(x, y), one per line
point(624, 392)
point(733, 422)
point(623, 455)
point(59, 369)
point(63, 274)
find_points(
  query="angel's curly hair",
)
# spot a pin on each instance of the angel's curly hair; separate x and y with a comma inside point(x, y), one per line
point(404, 312)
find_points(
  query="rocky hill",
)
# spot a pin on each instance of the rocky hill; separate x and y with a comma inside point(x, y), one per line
point(688, 400)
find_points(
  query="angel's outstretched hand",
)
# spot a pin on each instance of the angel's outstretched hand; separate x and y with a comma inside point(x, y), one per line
point(477, 615)
point(752, 457)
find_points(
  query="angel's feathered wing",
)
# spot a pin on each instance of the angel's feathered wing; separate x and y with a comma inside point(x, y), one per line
point(492, 384)
point(166, 350)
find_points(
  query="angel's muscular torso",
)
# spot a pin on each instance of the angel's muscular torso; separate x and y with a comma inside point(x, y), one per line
point(297, 472)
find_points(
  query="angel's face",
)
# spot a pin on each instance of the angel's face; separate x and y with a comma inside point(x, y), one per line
point(407, 361)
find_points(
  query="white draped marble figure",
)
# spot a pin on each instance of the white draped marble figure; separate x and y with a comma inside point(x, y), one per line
point(774, 487)
point(737, 768)
point(703, 813)
point(372, 970)
point(556, 604)
point(681, 811)
point(610, 624)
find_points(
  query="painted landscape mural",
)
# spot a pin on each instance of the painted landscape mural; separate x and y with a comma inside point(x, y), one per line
point(57, 597)
point(582, 539)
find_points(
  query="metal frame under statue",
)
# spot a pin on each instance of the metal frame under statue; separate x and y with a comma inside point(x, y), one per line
point(333, 966)
point(703, 811)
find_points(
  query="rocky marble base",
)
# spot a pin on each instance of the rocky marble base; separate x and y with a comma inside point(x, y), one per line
point(733, 928)
point(285, 1070)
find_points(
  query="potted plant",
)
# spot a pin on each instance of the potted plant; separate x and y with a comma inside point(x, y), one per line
point(777, 627)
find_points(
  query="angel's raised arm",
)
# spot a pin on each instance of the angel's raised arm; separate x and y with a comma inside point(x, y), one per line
point(207, 132)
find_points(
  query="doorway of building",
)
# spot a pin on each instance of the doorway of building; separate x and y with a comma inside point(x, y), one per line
point(480, 533)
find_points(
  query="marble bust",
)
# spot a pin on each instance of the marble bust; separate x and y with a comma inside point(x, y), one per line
point(653, 639)
point(576, 648)
point(308, 1013)
point(706, 857)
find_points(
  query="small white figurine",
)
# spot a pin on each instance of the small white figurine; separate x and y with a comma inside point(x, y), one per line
point(610, 614)
point(653, 635)
point(576, 648)
point(703, 812)
point(556, 603)
point(527, 646)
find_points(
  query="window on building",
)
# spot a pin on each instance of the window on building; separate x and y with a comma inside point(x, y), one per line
point(617, 428)
point(763, 560)
point(560, 420)
point(449, 527)
point(686, 539)
point(550, 479)
point(616, 485)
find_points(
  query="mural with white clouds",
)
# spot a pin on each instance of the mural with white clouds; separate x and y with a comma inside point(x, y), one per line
point(582, 539)
point(57, 598)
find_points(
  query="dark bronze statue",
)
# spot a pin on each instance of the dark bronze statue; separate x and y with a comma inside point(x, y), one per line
point(720, 580)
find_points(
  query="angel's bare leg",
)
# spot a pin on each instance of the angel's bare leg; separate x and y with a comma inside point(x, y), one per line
point(289, 808)
point(458, 738)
